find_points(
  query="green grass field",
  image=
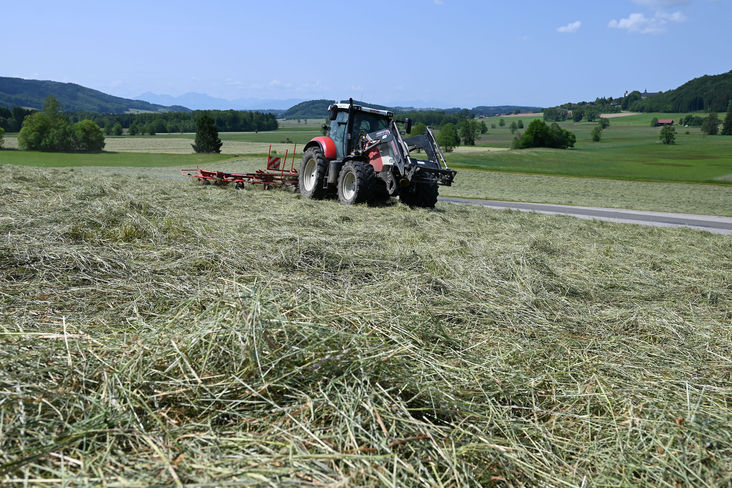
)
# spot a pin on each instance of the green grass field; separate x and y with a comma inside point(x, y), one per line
point(158, 332)
point(630, 149)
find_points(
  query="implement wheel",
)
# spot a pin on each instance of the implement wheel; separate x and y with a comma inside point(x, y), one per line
point(355, 182)
point(312, 173)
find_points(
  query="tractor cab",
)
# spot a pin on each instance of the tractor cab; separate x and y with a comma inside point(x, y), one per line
point(363, 121)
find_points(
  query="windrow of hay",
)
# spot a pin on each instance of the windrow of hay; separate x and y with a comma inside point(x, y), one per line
point(158, 331)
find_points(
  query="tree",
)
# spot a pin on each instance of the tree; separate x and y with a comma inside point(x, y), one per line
point(207, 136)
point(419, 129)
point(502, 122)
point(47, 130)
point(711, 124)
point(483, 127)
point(604, 123)
point(468, 130)
point(50, 130)
point(520, 124)
point(448, 137)
point(577, 115)
point(88, 137)
point(514, 126)
point(560, 138)
point(597, 133)
point(2, 137)
point(591, 115)
point(727, 127)
point(654, 122)
point(117, 129)
point(668, 135)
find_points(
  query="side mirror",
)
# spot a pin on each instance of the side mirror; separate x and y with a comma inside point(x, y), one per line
point(408, 125)
point(333, 113)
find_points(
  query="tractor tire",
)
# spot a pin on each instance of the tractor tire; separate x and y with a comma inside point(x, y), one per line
point(356, 182)
point(422, 194)
point(312, 173)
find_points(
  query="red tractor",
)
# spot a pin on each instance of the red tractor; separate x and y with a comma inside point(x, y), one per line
point(364, 158)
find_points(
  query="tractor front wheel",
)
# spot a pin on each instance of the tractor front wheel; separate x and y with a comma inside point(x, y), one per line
point(312, 173)
point(355, 182)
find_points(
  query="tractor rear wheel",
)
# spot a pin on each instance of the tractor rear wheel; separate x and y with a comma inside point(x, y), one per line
point(355, 182)
point(421, 194)
point(312, 173)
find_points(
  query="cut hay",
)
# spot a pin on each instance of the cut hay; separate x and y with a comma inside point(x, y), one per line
point(159, 332)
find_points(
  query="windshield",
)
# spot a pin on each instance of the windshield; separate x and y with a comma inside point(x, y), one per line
point(364, 122)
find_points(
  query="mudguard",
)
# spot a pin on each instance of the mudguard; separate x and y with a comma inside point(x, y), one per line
point(325, 143)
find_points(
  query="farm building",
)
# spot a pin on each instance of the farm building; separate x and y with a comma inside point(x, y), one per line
point(664, 122)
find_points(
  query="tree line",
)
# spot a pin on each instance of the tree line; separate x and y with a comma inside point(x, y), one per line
point(11, 120)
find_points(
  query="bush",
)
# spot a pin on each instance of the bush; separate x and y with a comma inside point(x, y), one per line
point(654, 122)
point(668, 135)
point(597, 133)
point(604, 123)
point(538, 134)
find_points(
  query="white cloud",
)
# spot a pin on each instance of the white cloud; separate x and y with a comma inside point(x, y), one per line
point(570, 28)
point(641, 24)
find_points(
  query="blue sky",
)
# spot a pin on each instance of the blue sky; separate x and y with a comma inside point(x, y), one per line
point(438, 53)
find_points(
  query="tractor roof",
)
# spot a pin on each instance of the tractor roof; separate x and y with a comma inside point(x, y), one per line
point(344, 106)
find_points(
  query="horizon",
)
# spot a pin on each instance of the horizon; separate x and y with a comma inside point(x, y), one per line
point(450, 54)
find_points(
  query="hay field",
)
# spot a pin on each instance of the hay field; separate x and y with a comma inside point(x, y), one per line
point(177, 144)
point(160, 332)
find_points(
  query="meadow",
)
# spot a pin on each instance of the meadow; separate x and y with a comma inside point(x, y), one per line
point(629, 150)
point(156, 331)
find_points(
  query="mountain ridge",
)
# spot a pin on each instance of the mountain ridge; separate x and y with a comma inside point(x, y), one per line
point(21, 92)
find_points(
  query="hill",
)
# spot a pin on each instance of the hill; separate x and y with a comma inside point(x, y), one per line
point(313, 109)
point(710, 93)
point(19, 92)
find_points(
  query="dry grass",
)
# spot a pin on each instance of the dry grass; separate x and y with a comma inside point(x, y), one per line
point(175, 144)
point(159, 332)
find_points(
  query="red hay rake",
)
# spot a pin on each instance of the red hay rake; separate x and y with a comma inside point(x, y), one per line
point(275, 175)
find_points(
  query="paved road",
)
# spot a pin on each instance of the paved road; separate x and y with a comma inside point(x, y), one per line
point(709, 223)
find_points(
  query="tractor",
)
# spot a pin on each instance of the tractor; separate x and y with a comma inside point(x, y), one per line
point(363, 158)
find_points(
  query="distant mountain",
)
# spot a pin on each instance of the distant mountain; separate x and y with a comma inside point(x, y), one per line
point(711, 93)
point(313, 109)
point(19, 92)
point(201, 101)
